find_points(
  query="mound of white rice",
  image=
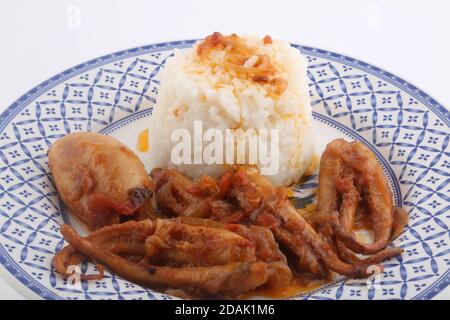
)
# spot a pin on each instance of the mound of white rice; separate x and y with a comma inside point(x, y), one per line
point(192, 89)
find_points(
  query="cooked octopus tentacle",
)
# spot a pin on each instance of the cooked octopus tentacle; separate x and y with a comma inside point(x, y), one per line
point(348, 256)
point(293, 222)
point(400, 221)
point(345, 254)
point(251, 205)
point(180, 244)
point(176, 195)
point(376, 190)
point(330, 172)
point(125, 238)
point(228, 279)
point(277, 205)
point(349, 204)
point(401, 218)
point(305, 259)
point(251, 199)
point(267, 249)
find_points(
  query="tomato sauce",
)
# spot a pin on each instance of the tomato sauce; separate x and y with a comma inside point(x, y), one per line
point(296, 287)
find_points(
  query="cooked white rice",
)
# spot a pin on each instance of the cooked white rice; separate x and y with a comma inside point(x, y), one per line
point(192, 90)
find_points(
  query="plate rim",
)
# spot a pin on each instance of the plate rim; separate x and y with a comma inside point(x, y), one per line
point(12, 110)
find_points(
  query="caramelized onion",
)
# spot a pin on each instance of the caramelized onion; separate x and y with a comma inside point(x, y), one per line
point(237, 53)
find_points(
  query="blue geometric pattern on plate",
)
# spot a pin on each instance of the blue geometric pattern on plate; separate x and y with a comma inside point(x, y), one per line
point(408, 130)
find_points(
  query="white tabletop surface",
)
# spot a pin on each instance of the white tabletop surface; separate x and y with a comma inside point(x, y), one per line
point(40, 38)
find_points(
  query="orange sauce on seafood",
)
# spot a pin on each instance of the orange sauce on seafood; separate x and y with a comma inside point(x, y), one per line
point(295, 288)
point(142, 144)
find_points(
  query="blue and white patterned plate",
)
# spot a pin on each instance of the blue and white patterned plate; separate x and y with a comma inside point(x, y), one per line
point(114, 94)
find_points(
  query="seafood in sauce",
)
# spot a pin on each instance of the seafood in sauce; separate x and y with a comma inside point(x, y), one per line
point(221, 237)
point(98, 178)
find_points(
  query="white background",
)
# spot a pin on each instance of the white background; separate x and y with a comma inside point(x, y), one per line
point(39, 39)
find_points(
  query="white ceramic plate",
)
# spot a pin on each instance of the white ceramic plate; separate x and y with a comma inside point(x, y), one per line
point(114, 94)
